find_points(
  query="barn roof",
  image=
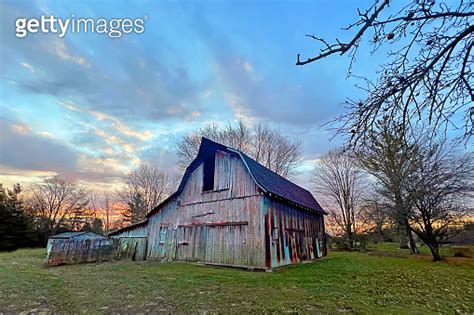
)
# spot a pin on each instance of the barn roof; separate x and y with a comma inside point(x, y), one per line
point(270, 182)
point(280, 186)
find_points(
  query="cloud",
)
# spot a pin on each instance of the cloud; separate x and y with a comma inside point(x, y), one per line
point(240, 110)
point(59, 48)
point(257, 84)
point(116, 124)
point(42, 155)
point(28, 67)
point(100, 169)
point(123, 79)
point(10, 175)
point(193, 115)
point(248, 67)
point(121, 127)
point(20, 128)
point(23, 149)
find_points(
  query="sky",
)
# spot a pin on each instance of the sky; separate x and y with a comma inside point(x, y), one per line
point(92, 108)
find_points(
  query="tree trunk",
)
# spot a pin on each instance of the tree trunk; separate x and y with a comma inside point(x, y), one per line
point(434, 249)
point(378, 233)
point(413, 249)
point(402, 236)
point(350, 240)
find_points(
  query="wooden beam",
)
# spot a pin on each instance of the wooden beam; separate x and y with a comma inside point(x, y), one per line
point(220, 223)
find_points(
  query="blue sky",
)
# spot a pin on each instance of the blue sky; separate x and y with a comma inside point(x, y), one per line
point(92, 108)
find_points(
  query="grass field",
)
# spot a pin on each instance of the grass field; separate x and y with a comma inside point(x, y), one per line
point(386, 280)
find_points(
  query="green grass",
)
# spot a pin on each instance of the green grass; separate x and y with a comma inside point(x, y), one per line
point(373, 282)
point(394, 247)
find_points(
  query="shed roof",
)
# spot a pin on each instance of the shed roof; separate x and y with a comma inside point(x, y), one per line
point(129, 227)
point(270, 182)
point(77, 234)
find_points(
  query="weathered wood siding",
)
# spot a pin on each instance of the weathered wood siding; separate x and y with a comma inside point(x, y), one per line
point(231, 180)
point(220, 226)
point(132, 248)
point(290, 234)
point(132, 243)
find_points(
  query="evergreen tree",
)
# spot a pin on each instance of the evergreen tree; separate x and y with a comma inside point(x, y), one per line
point(97, 226)
point(136, 209)
point(16, 228)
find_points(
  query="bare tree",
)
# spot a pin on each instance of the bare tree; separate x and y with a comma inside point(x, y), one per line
point(188, 147)
point(145, 188)
point(273, 150)
point(428, 75)
point(375, 216)
point(102, 205)
point(391, 160)
point(338, 183)
point(57, 203)
point(441, 187)
point(262, 142)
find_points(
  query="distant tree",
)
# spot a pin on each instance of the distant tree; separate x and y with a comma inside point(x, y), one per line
point(338, 182)
point(86, 227)
point(237, 136)
point(16, 229)
point(81, 217)
point(391, 160)
point(97, 226)
point(442, 189)
point(262, 142)
point(375, 216)
point(102, 205)
point(58, 203)
point(428, 75)
point(136, 209)
point(273, 150)
point(145, 188)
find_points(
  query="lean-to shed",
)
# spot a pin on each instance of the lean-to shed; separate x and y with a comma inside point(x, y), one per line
point(76, 247)
point(73, 236)
point(231, 210)
point(132, 241)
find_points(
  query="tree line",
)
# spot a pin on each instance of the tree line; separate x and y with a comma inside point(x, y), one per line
point(410, 182)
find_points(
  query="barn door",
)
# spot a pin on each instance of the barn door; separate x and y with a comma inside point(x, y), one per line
point(213, 243)
point(296, 245)
point(191, 243)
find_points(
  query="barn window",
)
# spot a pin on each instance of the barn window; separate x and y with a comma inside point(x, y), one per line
point(208, 173)
point(163, 235)
point(275, 233)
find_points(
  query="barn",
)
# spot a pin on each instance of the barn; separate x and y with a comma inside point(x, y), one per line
point(230, 210)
